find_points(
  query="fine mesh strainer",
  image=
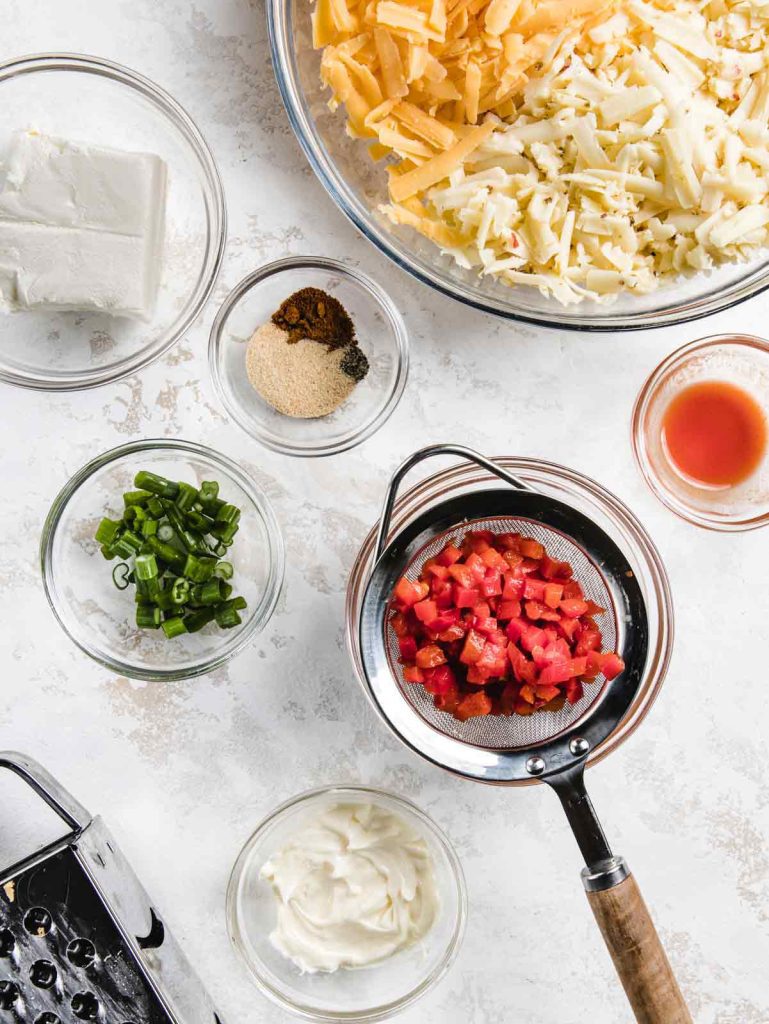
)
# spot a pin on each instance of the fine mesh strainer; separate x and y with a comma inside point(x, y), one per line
point(550, 746)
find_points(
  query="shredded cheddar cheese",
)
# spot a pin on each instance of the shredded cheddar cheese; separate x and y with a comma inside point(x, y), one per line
point(582, 147)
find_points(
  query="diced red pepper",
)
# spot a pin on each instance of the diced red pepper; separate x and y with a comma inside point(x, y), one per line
point(534, 589)
point(473, 705)
point(412, 674)
point(508, 610)
point(573, 607)
point(446, 701)
point(407, 645)
point(473, 648)
point(491, 584)
point(440, 680)
point(426, 611)
point(399, 624)
point(547, 693)
point(511, 616)
point(493, 560)
point(612, 666)
point(408, 593)
point(430, 656)
point(465, 597)
point(532, 637)
point(531, 548)
point(574, 691)
point(513, 588)
point(449, 555)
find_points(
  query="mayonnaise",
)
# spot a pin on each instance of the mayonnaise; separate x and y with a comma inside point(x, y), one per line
point(353, 886)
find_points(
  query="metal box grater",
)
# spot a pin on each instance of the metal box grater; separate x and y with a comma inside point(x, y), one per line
point(80, 939)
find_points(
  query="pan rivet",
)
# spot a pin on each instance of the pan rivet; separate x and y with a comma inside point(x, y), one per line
point(535, 766)
point(579, 747)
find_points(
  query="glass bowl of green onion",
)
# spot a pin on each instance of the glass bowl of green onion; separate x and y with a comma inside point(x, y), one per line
point(162, 559)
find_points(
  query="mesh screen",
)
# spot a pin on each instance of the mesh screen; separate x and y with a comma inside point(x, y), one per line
point(498, 731)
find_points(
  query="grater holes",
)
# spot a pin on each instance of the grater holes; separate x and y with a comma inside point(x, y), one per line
point(81, 953)
point(9, 993)
point(43, 974)
point(47, 1018)
point(38, 921)
point(85, 1005)
point(7, 942)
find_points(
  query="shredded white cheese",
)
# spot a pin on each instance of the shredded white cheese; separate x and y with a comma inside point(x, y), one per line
point(640, 152)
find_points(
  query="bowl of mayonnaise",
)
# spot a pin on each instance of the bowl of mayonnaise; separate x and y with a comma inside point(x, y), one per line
point(347, 903)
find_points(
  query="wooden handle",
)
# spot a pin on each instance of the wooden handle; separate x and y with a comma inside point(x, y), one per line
point(638, 955)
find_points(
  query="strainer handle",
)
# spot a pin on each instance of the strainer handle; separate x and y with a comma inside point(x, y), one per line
point(427, 453)
point(637, 952)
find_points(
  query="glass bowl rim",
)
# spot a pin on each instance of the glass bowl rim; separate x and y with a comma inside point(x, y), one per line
point(274, 551)
point(436, 486)
point(376, 794)
point(214, 201)
point(352, 437)
point(553, 318)
point(648, 394)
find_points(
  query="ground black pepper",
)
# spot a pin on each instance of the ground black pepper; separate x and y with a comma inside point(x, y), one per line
point(354, 363)
point(317, 316)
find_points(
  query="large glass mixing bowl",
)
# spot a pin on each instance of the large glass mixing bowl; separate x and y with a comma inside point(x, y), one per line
point(358, 187)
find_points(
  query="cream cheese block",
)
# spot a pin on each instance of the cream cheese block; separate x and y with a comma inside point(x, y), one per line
point(81, 227)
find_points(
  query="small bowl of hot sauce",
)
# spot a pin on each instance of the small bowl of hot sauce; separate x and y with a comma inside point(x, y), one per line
point(701, 432)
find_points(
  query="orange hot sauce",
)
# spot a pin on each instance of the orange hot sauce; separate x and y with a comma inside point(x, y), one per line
point(714, 433)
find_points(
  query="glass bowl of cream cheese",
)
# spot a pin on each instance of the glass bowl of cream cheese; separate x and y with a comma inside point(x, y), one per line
point(347, 903)
point(112, 222)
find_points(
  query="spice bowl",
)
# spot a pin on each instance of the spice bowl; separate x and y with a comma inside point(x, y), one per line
point(371, 993)
point(737, 359)
point(380, 331)
point(99, 617)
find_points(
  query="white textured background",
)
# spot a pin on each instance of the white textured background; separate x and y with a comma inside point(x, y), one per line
point(184, 771)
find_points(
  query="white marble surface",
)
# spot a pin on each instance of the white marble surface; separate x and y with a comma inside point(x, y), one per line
point(184, 771)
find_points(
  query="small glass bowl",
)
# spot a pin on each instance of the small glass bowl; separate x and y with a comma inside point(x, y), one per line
point(739, 359)
point(87, 99)
point(98, 617)
point(581, 493)
point(361, 994)
point(381, 335)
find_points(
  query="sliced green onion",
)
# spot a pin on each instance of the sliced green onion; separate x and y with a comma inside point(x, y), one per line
point(225, 532)
point(149, 527)
point(107, 531)
point(226, 613)
point(209, 592)
point(174, 627)
point(156, 484)
point(197, 521)
point(120, 575)
point(148, 616)
point(199, 569)
point(170, 539)
point(180, 590)
point(127, 544)
point(198, 619)
point(165, 531)
point(145, 567)
point(228, 514)
point(136, 498)
point(209, 491)
point(167, 553)
point(186, 497)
